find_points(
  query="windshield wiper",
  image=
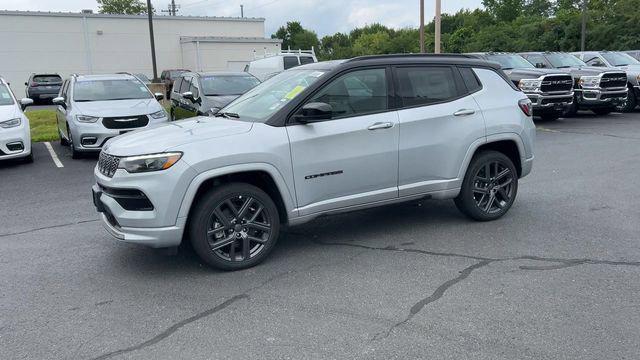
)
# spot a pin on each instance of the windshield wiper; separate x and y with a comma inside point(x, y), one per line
point(228, 115)
point(507, 68)
point(564, 66)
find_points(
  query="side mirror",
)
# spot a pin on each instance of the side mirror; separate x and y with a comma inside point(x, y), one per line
point(540, 65)
point(25, 102)
point(59, 101)
point(189, 96)
point(159, 96)
point(315, 111)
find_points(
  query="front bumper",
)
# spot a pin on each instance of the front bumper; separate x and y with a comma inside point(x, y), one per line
point(15, 142)
point(90, 137)
point(159, 227)
point(550, 102)
point(601, 97)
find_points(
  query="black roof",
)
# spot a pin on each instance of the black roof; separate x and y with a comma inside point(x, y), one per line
point(400, 59)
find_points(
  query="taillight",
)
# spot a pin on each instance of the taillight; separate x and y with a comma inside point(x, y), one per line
point(526, 107)
point(34, 84)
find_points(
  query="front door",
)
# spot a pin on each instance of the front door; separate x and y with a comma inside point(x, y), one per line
point(352, 158)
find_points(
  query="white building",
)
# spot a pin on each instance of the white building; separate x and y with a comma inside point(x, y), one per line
point(67, 43)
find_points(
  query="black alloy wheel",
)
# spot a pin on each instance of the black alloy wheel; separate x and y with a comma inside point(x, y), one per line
point(489, 188)
point(235, 226)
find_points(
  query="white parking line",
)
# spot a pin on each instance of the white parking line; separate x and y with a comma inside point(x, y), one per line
point(54, 157)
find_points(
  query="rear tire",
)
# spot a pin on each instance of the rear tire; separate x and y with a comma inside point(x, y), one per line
point(602, 111)
point(489, 188)
point(234, 226)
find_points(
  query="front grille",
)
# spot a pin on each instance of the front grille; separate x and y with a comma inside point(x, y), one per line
point(108, 164)
point(613, 80)
point(552, 83)
point(125, 122)
point(557, 100)
point(612, 96)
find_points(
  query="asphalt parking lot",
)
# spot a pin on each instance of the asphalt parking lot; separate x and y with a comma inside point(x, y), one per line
point(557, 278)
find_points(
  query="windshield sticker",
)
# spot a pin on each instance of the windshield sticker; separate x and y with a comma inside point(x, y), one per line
point(293, 93)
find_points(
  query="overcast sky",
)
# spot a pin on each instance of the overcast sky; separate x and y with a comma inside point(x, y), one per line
point(323, 16)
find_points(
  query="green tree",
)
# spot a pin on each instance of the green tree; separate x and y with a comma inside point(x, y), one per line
point(294, 36)
point(504, 10)
point(127, 7)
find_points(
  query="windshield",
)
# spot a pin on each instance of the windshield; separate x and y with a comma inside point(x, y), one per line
point(619, 59)
point(105, 90)
point(560, 60)
point(265, 99)
point(143, 78)
point(510, 61)
point(220, 85)
point(5, 96)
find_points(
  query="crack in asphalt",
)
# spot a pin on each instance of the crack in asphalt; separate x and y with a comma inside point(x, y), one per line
point(49, 227)
point(180, 324)
point(482, 262)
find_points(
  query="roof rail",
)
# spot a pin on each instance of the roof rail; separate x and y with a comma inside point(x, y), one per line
point(282, 52)
point(386, 56)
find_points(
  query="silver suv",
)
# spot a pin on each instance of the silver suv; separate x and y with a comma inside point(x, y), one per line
point(319, 139)
point(92, 109)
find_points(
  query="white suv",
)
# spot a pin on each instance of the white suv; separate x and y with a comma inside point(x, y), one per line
point(15, 138)
point(94, 108)
point(320, 139)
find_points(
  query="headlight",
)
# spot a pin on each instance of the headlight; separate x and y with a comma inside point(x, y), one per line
point(159, 114)
point(87, 119)
point(213, 111)
point(146, 163)
point(529, 84)
point(11, 123)
point(589, 81)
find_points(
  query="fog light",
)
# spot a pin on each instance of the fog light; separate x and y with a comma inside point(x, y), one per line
point(17, 146)
point(89, 140)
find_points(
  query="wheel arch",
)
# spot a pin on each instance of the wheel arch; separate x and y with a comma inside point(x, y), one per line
point(263, 176)
point(509, 144)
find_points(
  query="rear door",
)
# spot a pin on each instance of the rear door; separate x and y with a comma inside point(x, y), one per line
point(352, 158)
point(439, 121)
point(61, 112)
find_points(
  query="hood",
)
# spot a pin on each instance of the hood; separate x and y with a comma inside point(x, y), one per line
point(118, 107)
point(9, 112)
point(532, 73)
point(633, 69)
point(588, 70)
point(170, 135)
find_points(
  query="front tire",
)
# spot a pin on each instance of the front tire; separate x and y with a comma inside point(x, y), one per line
point(489, 188)
point(75, 154)
point(630, 104)
point(234, 226)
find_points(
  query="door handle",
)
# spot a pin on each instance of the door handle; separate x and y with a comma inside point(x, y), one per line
point(464, 112)
point(380, 125)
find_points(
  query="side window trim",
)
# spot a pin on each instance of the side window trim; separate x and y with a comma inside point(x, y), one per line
point(464, 83)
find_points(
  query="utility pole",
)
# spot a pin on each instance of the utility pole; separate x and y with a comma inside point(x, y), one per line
point(584, 25)
point(437, 24)
point(241, 10)
point(172, 9)
point(153, 43)
point(422, 26)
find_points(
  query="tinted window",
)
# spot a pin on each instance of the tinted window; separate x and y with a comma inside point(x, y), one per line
point(470, 79)
point(358, 92)
point(185, 85)
point(5, 95)
point(509, 61)
point(176, 85)
point(194, 89)
point(560, 60)
point(426, 85)
point(290, 61)
point(105, 90)
point(537, 59)
point(306, 60)
point(47, 79)
point(220, 85)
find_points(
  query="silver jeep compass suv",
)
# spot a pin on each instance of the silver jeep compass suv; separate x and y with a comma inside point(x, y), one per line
point(318, 139)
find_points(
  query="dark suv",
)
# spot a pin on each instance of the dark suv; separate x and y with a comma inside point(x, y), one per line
point(43, 87)
point(197, 94)
point(550, 90)
point(169, 76)
point(599, 89)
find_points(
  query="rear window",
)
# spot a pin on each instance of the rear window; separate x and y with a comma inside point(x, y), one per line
point(47, 79)
point(306, 60)
point(220, 85)
point(5, 95)
point(290, 62)
point(175, 73)
point(426, 85)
